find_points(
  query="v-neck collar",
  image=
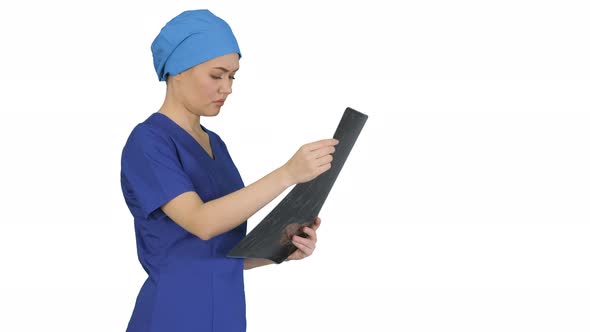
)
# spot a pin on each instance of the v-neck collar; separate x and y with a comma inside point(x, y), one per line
point(190, 137)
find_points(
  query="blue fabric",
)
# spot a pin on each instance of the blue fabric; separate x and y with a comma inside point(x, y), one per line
point(191, 285)
point(191, 38)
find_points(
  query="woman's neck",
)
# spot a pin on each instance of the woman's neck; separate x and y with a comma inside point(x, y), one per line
point(183, 117)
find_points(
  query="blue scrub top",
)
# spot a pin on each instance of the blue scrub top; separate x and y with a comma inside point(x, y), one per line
point(191, 285)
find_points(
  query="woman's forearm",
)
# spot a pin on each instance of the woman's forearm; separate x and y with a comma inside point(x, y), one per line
point(225, 213)
point(207, 220)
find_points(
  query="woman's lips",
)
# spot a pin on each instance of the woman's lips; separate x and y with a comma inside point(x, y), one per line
point(220, 101)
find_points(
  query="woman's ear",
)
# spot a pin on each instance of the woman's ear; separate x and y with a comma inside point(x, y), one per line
point(172, 79)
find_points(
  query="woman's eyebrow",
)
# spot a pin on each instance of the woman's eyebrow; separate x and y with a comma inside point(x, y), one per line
point(225, 69)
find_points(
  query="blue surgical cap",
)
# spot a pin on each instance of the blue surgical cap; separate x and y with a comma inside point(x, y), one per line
point(191, 38)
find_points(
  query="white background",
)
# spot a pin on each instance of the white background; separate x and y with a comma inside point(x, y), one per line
point(464, 205)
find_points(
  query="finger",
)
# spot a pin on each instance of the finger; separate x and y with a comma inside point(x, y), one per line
point(308, 243)
point(306, 251)
point(316, 224)
point(325, 160)
point(323, 151)
point(311, 232)
point(321, 143)
point(324, 168)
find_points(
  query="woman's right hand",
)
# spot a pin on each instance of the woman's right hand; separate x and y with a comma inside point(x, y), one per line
point(310, 160)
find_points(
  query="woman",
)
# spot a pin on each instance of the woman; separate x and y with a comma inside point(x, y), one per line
point(186, 196)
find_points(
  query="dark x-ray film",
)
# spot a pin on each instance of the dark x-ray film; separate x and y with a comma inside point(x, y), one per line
point(271, 238)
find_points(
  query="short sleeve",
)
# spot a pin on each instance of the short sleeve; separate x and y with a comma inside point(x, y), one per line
point(151, 172)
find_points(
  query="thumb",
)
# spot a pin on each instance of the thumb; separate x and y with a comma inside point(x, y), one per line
point(316, 223)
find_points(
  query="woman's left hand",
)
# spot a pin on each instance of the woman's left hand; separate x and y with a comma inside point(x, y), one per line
point(305, 246)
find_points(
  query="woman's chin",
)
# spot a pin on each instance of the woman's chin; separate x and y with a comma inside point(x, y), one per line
point(212, 111)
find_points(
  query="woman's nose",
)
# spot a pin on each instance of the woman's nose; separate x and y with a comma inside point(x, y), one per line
point(226, 86)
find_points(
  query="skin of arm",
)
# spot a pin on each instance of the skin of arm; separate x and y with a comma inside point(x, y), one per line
point(207, 220)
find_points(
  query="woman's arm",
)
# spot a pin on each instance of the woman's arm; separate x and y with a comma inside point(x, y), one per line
point(305, 247)
point(207, 220)
point(217, 216)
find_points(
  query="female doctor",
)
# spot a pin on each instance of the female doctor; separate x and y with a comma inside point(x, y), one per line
point(186, 196)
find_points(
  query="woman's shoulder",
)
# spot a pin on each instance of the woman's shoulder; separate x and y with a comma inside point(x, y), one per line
point(146, 133)
point(155, 124)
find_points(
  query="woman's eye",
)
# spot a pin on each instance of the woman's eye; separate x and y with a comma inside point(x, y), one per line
point(219, 77)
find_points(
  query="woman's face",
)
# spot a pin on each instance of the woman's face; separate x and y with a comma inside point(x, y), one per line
point(203, 89)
